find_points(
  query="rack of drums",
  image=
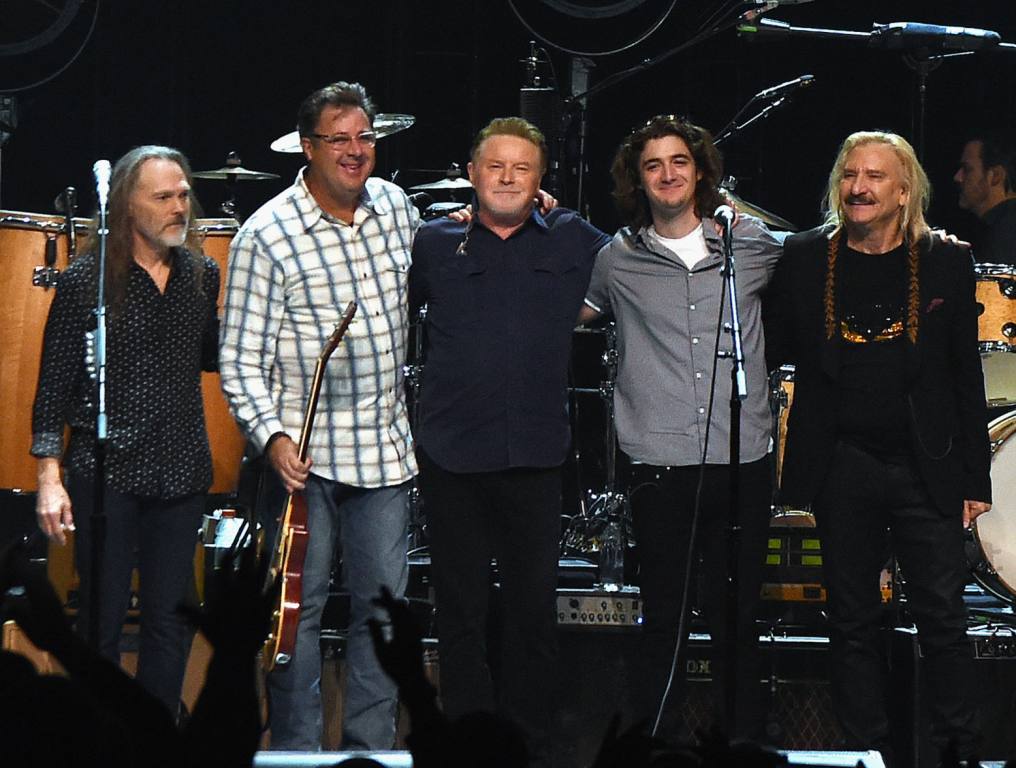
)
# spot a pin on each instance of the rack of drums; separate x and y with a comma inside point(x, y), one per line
point(33, 250)
point(993, 550)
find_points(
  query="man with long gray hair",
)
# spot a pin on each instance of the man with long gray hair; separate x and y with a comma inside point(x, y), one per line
point(161, 333)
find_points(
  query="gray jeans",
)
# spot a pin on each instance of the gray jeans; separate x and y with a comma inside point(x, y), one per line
point(370, 526)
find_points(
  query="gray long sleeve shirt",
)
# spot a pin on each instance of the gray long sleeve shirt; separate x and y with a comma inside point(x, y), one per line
point(666, 320)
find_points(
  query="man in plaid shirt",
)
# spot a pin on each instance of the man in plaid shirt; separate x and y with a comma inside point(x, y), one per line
point(337, 235)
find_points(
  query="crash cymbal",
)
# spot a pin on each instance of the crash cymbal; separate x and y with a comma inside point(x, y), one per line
point(385, 124)
point(777, 222)
point(234, 173)
point(456, 182)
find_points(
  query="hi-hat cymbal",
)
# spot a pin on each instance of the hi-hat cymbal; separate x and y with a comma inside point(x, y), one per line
point(234, 173)
point(385, 124)
point(456, 182)
point(761, 213)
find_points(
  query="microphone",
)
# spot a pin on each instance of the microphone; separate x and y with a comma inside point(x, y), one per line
point(101, 170)
point(66, 201)
point(908, 34)
point(421, 200)
point(784, 88)
point(725, 215)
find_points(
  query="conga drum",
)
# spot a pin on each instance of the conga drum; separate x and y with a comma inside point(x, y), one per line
point(33, 250)
point(224, 436)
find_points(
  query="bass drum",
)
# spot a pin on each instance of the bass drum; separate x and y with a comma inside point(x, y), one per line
point(994, 565)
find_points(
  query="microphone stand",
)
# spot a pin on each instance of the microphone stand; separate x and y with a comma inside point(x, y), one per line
point(738, 392)
point(924, 47)
point(733, 128)
point(98, 516)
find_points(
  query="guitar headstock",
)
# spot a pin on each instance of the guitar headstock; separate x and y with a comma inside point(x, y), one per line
point(339, 332)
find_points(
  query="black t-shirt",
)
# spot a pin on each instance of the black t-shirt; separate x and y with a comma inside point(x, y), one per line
point(871, 298)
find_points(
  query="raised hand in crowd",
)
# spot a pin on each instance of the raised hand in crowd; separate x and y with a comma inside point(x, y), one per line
point(109, 698)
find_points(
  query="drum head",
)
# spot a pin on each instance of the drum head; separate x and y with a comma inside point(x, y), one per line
point(995, 530)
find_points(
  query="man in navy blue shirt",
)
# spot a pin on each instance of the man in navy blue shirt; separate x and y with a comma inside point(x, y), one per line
point(503, 293)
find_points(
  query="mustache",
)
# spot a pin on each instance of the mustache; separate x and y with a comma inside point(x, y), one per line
point(854, 199)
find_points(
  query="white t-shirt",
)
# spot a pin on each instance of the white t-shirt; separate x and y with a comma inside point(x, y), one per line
point(691, 248)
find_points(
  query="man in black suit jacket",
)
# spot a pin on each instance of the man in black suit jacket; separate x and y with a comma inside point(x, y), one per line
point(887, 437)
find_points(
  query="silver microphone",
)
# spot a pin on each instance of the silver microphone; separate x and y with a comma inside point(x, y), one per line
point(725, 215)
point(102, 171)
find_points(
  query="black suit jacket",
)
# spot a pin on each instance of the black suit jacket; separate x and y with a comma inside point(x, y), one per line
point(945, 386)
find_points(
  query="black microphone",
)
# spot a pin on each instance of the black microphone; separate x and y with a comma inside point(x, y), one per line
point(421, 200)
point(784, 88)
point(66, 201)
point(67, 204)
point(908, 34)
point(725, 215)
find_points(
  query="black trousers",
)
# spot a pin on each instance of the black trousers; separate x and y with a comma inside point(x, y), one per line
point(662, 502)
point(513, 516)
point(867, 505)
point(157, 536)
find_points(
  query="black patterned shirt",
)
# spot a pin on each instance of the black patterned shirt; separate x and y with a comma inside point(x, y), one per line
point(156, 350)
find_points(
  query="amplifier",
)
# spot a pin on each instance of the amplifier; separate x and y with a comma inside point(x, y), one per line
point(994, 685)
point(598, 608)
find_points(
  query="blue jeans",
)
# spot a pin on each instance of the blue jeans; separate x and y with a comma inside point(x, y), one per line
point(370, 525)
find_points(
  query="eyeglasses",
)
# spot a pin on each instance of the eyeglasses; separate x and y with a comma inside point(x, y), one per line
point(341, 141)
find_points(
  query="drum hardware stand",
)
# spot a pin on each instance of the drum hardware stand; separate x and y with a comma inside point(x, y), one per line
point(778, 401)
point(603, 523)
point(413, 373)
point(45, 276)
point(8, 123)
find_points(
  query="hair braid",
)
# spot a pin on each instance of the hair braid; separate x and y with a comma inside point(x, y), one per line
point(829, 297)
point(913, 291)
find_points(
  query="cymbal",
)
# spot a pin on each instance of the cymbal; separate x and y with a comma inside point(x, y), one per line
point(456, 182)
point(753, 210)
point(234, 173)
point(385, 124)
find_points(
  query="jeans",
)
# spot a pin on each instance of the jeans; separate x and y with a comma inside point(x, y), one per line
point(865, 504)
point(370, 525)
point(662, 501)
point(512, 515)
point(159, 537)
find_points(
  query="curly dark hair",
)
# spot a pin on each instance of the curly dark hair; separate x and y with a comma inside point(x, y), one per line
point(630, 198)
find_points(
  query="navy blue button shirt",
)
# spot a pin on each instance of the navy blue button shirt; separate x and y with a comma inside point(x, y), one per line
point(499, 327)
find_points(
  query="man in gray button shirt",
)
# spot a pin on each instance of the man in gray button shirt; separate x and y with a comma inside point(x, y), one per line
point(661, 279)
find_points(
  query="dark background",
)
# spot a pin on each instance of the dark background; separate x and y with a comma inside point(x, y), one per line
point(228, 75)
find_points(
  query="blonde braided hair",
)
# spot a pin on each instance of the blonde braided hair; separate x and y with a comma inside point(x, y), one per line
point(913, 287)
